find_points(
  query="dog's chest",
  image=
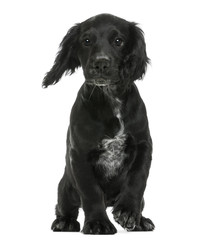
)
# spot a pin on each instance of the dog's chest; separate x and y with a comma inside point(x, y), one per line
point(111, 160)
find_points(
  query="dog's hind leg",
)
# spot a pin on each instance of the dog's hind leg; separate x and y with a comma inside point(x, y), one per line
point(67, 208)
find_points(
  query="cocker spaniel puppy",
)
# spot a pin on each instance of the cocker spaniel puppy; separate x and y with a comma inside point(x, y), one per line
point(109, 146)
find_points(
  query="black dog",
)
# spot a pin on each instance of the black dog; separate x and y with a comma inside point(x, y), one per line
point(108, 143)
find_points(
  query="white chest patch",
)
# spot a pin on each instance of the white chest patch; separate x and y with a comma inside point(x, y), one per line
point(112, 159)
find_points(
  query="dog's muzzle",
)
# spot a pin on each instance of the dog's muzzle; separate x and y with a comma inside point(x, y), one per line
point(100, 71)
point(100, 67)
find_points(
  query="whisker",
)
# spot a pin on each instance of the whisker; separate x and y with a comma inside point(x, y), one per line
point(92, 92)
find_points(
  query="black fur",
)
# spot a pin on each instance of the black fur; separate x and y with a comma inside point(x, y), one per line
point(109, 146)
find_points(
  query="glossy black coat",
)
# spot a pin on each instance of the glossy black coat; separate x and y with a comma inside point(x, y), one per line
point(112, 53)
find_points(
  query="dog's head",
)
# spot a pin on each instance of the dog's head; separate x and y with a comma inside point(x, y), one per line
point(109, 49)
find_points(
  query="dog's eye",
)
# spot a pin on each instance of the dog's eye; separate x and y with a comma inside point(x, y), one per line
point(87, 42)
point(118, 42)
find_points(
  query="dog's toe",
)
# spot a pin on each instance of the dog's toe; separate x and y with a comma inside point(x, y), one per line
point(145, 225)
point(126, 219)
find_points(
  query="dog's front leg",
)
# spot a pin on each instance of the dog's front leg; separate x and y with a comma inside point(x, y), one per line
point(92, 197)
point(129, 204)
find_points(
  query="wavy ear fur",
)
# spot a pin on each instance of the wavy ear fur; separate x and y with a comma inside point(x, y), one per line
point(66, 59)
point(135, 63)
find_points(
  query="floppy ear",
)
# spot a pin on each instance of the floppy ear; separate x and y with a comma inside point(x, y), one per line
point(66, 59)
point(135, 63)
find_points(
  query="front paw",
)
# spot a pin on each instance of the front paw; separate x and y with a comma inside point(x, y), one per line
point(64, 224)
point(99, 227)
point(127, 219)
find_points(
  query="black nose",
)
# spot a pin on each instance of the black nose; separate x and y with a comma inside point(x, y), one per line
point(101, 65)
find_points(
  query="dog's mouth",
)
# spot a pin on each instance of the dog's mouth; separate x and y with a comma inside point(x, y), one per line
point(101, 82)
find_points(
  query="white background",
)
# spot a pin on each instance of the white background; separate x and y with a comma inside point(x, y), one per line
point(34, 121)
